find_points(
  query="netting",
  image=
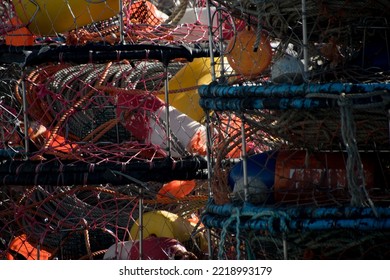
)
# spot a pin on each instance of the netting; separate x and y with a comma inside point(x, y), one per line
point(194, 129)
point(102, 135)
point(303, 99)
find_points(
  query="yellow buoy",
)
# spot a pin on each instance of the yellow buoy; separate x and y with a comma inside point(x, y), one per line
point(193, 74)
point(162, 223)
point(49, 17)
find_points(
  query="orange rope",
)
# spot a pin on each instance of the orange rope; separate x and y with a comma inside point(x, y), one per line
point(76, 105)
point(101, 130)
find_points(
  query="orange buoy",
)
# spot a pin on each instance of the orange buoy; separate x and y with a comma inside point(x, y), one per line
point(40, 136)
point(21, 36)
point(176, 189)
point(20, 246)
point(244, 58)
point(143, 12)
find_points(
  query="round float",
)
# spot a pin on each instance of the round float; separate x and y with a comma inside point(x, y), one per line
point(297, 176)
point(183, 88)
point(242, 56)
point(162, 223)
point(119, 251)
point(20, 248)
point(49, 17)
point(176, 189)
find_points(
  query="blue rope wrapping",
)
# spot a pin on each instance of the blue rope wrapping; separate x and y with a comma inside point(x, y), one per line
point(281, 97)
point(288, 91)
point(274, 217)
point(297, 219)
point(347, 212)
point(269, 225)
point(272, 220)
point(235, 216)
point(362, 224)
point(250, 103)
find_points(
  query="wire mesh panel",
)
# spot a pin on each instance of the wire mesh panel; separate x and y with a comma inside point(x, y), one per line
point(302, 108)
point(103, 140)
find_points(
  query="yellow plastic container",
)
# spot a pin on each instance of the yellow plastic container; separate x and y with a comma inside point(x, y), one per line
point(195, 73)
point(162, 223)
point(50, 17)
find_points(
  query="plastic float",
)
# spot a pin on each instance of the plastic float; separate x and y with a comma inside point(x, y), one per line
point(292, 176)
point(287, 70)
point(21, 36)
point(150, 129)
point(119, 251)
point(134, 112)
point(193, 74)
point(45, 17)
point(245, 57)
point(163, 223)
point(198, 15)
point(176, 189)
point(21, 248)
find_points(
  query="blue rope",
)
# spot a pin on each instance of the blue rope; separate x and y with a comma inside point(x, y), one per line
point(287, 90)
point(285, 220)
point(363, 224)
point(273, 218)
point(235, 216)
point(250, 103)
point(248, 209)
point(281, 97)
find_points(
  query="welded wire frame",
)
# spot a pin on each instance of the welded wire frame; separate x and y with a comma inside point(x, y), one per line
point(327, 245)
point(136, 23)
point(287, 121)
point(298, 232)
point(324, 17)
point(98, 207)
point(338, 41)
point(297, 129)
point(6, 12)
point(72, 106)
point(78, 222)
point(11, 109)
